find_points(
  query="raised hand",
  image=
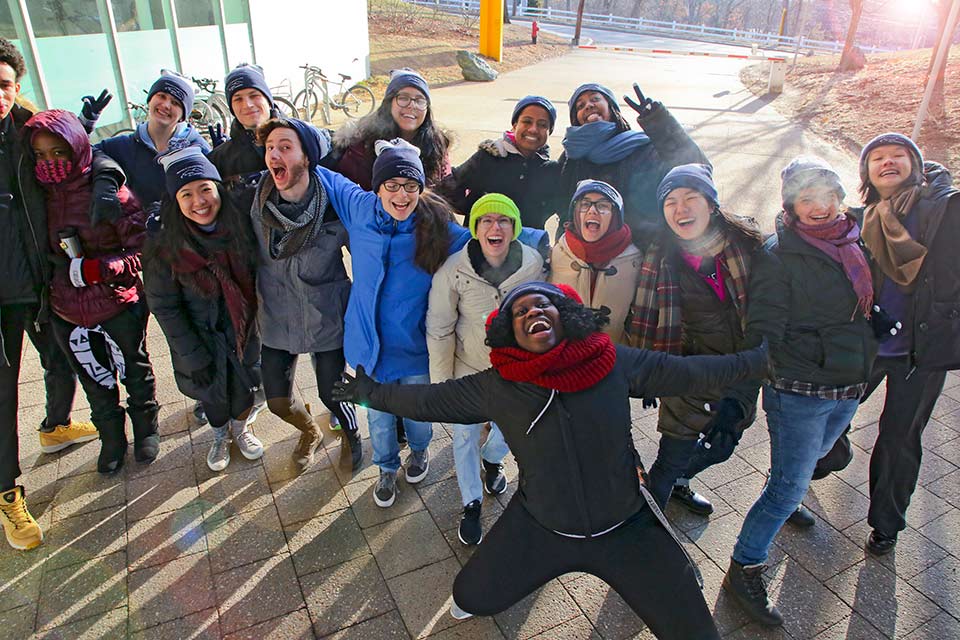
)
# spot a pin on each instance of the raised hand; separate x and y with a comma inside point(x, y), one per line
point(92, 108)
point(643, 105)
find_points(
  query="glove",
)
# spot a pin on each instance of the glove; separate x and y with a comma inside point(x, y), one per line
point(884, 325)
point(496, 148)
point(204, 377)
point(722, 430)
point(356, 390)
point(86, 271)
point(216, 135)
point(105, 201)
point(645, 107)
point(92, 108)
point(649, 403)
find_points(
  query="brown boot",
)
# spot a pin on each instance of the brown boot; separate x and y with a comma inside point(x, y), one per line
point(298, 415)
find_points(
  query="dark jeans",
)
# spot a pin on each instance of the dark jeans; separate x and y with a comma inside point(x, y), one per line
point(98, 365)
point(58, 379)
point(895, 461)
point(677, 458)
point(279, 368)
point(639, 559)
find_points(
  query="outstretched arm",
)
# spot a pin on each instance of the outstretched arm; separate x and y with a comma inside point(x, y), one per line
point(657, 374)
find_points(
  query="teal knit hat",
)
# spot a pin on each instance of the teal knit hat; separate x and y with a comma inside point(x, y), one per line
point(495, 203)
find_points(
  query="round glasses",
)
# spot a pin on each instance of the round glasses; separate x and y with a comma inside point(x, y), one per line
point(403, 101)
point(603, 207)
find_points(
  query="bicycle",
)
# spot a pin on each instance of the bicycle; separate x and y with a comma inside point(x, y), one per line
point(139, 113)
point(282, 99)
point(356, 101)
point(210, 109)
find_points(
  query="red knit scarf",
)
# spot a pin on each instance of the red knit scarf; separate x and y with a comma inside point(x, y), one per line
point(601, 252)
point(568, 367)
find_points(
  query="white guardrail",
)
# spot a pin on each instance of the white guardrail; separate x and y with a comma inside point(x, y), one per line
point(672, 29)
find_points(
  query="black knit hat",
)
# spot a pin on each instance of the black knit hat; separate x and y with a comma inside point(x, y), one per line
point(397, 158)
point(591, 86)
point(315, 142)
point(538, 101)
point(246, 76)
point(186, 165)
point(176, 86)
point(406, 77)
point(698, 177)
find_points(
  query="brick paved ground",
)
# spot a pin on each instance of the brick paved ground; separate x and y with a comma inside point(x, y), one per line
point(173, 551)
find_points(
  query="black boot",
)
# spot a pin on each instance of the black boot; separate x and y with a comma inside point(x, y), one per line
point(745, 585)
point(802, 517)
point(494, 480)
point(352, 442)
point(146, 433)
point(693, 501)
point(113, 444)
point(880, 544)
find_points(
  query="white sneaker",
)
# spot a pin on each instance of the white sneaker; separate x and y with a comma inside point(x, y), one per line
point(457, 612)
point(219, 455)
point(249, 445)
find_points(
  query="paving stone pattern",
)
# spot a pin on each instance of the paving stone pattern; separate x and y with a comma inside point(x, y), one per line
point(172, 550)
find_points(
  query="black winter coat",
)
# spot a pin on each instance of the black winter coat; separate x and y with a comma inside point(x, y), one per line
point(240, 162)
point(804, 304)
point(530, 182)
point(638, 175)
point(577, 461)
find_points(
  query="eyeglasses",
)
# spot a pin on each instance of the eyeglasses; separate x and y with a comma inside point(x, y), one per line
point(403, 101)
point(603, 207)
point(486, 223)
point(409, 187)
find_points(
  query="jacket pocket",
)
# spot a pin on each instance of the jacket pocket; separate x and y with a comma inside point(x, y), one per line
point(843, 353)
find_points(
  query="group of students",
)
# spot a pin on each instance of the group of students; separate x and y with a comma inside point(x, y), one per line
point(651, 290)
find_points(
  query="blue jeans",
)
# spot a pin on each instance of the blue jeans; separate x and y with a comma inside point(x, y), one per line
point(467, 453)
point(383, 431)
point(802, 430)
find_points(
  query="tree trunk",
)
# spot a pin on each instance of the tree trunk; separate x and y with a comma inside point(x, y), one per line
point(846, 59)
point(506, 12)
point(936, 99)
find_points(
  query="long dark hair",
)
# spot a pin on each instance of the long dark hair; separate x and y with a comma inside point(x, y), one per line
point(176, 232)
point(432, 235)
point(577, 320)
point(742, 229)
point(432, 139)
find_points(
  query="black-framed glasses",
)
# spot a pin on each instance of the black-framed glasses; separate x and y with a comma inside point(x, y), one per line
point(603, 207)
point(403, 100)
point(409, 187)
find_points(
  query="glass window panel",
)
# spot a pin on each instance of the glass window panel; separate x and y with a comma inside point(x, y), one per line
point(51, 18)
point(191, 13)
point(138, 15)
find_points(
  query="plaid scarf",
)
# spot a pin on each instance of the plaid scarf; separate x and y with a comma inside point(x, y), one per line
point(655, 319)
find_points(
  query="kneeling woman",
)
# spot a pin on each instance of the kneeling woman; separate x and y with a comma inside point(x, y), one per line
point(559, 390)
point(199, 276)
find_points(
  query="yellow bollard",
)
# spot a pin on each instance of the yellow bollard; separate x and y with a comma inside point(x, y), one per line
point(491, 29)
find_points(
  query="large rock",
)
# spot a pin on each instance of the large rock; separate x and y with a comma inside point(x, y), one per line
point(474, 67)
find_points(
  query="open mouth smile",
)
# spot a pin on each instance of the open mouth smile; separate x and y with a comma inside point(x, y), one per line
point(539, 326)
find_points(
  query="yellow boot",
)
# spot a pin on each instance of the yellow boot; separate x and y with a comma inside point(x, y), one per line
point(66, 435)
point(21, 529)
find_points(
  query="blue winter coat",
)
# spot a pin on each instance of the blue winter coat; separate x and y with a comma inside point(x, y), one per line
point(137, 156)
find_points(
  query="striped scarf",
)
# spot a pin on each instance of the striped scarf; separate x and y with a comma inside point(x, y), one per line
point(655, 319)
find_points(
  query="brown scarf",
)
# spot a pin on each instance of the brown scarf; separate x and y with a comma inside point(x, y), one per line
point(896, 253)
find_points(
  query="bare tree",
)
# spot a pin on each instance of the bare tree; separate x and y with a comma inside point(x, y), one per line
point(936, 100)
point(847, 61)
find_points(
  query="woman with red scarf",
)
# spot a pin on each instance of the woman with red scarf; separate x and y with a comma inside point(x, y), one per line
point(559, 390)
point(595, 255)
point(199, 275)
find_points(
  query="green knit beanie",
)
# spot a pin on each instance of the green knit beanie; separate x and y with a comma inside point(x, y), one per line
point(495, 203)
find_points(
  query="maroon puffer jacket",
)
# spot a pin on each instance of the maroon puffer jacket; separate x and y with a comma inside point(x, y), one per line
point(115, 245)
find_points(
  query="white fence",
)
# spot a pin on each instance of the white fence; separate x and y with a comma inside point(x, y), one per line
point(670, 29)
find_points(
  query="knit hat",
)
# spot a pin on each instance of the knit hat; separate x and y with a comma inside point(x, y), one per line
point(538, 101)
point(885, 139)
point(698, 177)
point(804, 171)
point(183, 166)
point(406, 77)
point(495, 203)
point(246, 76)
point(597, 186)
point(591, 86)
point(315, 142)
point(176, 86)
point(545, 288)
point(397, 158)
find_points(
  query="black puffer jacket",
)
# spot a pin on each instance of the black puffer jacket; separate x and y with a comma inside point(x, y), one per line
point(802, 301)
point(240, 162)
point(638, 175)
point(578, 464)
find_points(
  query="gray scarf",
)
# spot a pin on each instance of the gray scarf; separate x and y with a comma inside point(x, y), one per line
point(289, 226)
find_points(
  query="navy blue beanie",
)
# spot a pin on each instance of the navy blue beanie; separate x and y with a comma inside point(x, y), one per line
point(591, 86)
point(176, 86)
point(698, 177)
point(538, 101)
point(315, 142)
point(401, 78)
point(397, 159)
point(246, 76)
point(890, 138)
point(183, 166)
point(598, 186)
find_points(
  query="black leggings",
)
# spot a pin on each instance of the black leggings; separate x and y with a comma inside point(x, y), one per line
point(640, 560)
point(279, 368)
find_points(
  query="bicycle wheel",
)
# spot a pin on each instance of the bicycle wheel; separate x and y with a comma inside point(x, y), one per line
point(357, 101)
point(307, 104)
point(285, 107)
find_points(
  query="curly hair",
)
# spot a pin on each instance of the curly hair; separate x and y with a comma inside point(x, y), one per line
point(577, 321)
point(10, 55)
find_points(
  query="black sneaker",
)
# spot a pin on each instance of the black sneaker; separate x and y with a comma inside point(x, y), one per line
point(494, 480)
point(470, 531)
point(418, 464)
point(745, 585)
point(386, 492)
point(693, 501)
point(880, 544)
point(802, 517)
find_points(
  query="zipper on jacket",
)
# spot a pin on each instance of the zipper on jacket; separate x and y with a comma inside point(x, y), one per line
point(36, 245)
point(574, 463)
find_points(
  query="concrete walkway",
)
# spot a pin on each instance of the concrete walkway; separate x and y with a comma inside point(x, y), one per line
point(173, 551)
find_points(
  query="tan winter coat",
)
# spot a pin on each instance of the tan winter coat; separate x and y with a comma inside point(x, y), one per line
point(460, 301)
point(613, 291)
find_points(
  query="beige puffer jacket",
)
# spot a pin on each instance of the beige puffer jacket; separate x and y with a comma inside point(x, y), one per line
point(460, 301)
point(614, 291)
